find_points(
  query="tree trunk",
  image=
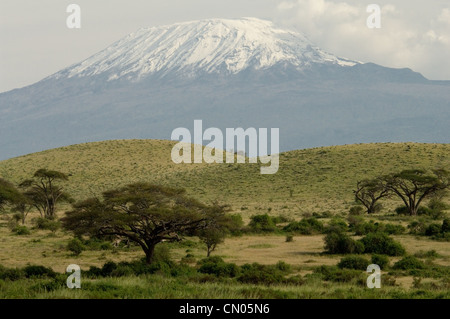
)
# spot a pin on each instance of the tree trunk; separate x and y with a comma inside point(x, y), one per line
point(149, 252)
point(412, 207)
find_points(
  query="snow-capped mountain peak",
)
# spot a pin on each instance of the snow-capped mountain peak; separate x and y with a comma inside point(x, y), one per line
point(207, 46)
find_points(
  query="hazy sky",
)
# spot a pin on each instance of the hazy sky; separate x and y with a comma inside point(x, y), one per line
point(35, 41)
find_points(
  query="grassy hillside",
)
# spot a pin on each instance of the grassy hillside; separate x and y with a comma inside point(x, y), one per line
point(312, 180)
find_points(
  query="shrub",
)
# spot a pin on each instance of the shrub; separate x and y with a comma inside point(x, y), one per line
point(282, 266)
point(436, 208)
point(362, 228)
point(445, 226)
point(280, 219)
point(356, 210)
point(75, 246)
point(21, 230)
point(381, 243)
point(162, 254)
point(409, 262)
point(262, 223)
point(433, 230)
point(337, 225)
point(417, 227)
point(427, 254)
point(262, 274)
point(236, 224)
point(402, 210)
point(289, 238)
point(380, 260)
point(216, 266)
point(33, 271)
point(11, 274)
point(365, 228)
point(334, 274)
point(340, 243)
point(392, 229)
point(307, 226)
point(354, 262)
point(47, 224)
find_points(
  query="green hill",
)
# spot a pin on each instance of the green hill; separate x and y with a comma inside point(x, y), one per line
point(311, 180)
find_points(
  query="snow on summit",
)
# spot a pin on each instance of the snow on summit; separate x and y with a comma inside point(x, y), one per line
point(207, 46)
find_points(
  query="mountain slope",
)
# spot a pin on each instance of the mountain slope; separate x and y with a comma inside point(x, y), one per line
point(229, 73)
point(320, 179)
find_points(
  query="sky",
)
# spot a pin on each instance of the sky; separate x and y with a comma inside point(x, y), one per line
point(35, 41)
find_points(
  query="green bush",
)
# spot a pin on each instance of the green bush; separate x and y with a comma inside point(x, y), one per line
point(436, 208)
point(11, 274)
point(21, 230)
point(280, 219)
point(356, 210)
point(236, 224)
point(47, 224)
point(354, 262)
point(363, 228)
point(34, 271)
point(427, 254)
point(409, 262)
point(417, 227)
point(334, 274)
point(433, 230)
point(75, 246)
point(445, 226)
point(216, 266)
point(289, 238)
point(262, 223)
point(307, 226)
point(340, 243)
point(264, 274)
point(381, 243)
point(337, 225)
point(380, 260)
point(392, 229)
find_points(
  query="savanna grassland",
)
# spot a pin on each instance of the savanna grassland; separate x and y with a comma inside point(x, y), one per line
point(310, 183)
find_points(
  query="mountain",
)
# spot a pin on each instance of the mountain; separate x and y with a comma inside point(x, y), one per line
point(229, 73)
point(202, 47)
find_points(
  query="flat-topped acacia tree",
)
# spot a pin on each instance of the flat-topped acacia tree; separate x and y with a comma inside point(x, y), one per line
point(144, 213)
point(416, 185)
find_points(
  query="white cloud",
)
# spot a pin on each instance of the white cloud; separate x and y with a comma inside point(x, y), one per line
point(410, 36)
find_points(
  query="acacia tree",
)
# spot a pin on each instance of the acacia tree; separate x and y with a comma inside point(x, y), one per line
point(143, 213)
point(9, 194)
point(44, 191)
point(369, 192)
point(23, 207)
point(217, 229)
point(414, 186)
